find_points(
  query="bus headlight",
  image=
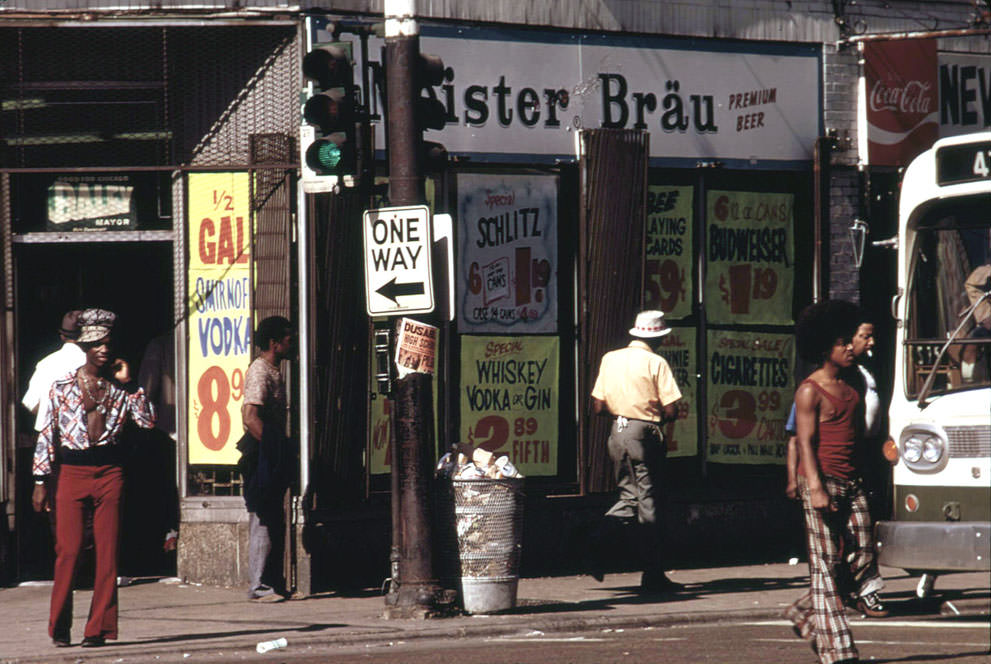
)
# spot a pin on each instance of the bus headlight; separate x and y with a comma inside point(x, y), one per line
point(912, 450)
point(923, 448)
point(932, 449)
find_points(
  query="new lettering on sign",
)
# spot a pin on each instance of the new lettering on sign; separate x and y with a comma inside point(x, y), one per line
point(219, 279)
point(397, 261)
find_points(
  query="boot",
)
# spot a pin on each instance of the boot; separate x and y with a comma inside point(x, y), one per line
point(654, 580)
point(602, 537)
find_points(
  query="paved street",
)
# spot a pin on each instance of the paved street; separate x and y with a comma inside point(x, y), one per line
point(725, 614)
point(746, 642)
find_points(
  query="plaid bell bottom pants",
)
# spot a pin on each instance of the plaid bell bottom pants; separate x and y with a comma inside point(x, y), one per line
point(839, 543)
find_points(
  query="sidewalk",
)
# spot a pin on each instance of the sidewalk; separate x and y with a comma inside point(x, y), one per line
point(169, 620)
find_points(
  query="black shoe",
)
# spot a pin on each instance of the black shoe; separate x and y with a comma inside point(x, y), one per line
point(593, 560)
point(61, 641)
point(872, 607)
point(93, 642)
point(659, 583)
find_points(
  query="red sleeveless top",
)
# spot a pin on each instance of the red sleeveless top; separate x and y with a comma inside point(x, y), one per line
point(837, 435)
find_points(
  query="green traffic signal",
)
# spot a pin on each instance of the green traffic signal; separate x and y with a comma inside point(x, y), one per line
point(331, 155)
point(331, 108)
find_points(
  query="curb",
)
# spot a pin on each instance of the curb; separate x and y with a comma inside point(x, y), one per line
point(383, 636)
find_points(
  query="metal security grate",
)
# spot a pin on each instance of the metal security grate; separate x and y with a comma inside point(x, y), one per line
point(969, 442)
point(182, 95)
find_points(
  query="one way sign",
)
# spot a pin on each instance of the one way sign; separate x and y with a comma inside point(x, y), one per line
point(397, 261)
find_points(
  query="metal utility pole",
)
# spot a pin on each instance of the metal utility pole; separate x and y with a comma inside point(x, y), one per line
point(416, 592)
point(402, 50)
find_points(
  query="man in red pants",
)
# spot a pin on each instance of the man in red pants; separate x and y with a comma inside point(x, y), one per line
point(88, 409)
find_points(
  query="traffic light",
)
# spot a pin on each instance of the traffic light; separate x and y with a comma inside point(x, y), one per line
point(430, 111)
point(331, 109)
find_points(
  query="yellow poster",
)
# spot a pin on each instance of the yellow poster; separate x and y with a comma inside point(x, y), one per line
point(750, 390)
point(219, 305)
point(749, 256)
point(667, 280)
point(509, 399)
point(678, 348)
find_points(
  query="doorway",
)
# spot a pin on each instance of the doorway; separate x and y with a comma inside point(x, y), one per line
point(134, 279)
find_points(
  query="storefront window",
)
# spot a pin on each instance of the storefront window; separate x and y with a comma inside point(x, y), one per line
point(736, 378)
point(507, 303)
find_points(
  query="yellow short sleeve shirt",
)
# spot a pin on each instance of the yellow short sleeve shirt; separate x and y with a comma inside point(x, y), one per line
point(635, 382)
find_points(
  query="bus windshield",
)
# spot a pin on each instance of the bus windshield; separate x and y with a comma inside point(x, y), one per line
point(949, 273)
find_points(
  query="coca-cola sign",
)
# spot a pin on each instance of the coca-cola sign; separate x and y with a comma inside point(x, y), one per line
point(902, 116)
point(912, 97)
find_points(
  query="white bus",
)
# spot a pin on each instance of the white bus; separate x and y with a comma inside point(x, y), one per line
point(940, 413)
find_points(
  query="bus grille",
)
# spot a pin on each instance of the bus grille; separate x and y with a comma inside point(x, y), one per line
point(969, 442)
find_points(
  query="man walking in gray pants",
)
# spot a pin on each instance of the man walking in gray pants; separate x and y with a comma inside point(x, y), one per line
point(636, 386)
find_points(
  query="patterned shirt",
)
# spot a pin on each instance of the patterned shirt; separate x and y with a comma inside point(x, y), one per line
point(264, 387)
point(632, 378)
point(67, 423)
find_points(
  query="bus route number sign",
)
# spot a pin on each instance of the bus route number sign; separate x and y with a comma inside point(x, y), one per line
point(970, 162)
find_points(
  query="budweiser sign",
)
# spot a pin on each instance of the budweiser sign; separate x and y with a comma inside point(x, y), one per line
point(902, 117)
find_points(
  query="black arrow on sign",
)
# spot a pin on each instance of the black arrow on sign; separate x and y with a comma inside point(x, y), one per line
point(392, 290)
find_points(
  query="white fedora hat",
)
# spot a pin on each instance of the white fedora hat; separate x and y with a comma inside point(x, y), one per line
point(649, 324)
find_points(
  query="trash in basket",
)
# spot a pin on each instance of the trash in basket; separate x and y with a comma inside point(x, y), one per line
point(489, 521)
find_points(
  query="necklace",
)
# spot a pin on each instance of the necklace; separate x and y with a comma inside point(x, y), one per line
point(100, 408)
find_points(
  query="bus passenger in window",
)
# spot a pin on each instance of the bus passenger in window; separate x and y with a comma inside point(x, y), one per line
point(974, 358)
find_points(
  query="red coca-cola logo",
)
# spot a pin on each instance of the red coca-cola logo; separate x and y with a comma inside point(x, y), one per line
point(909, 97)
point(902, 106)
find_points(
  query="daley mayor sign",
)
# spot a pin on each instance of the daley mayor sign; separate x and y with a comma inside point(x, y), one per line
point(510, 94)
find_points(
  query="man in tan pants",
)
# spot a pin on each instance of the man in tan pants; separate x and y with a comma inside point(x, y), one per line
point(636, 386)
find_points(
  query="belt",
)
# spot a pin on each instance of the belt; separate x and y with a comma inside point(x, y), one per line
point(99, 455)
point(622, 422)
